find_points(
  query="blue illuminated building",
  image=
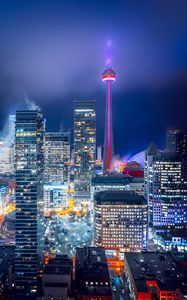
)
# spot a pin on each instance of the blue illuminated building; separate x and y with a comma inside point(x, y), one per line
point(166, 188)
point(29, 169)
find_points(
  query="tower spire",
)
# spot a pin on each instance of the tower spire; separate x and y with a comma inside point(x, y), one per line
point(108, 56)
point(108, 76)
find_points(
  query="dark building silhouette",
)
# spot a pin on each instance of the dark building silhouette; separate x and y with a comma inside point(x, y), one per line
point(92, 275)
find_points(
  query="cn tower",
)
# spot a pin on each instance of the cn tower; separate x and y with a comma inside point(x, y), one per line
point(108, 76)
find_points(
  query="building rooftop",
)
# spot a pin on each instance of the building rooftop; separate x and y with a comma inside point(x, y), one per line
point(137, 180)
point(121, 197)
point(93, 261)
point(122, 180)
point(160, 267)
point(62, 264)
point(91, 266)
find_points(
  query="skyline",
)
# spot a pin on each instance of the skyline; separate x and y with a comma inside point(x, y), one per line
point(56, 61)
point(93, 149)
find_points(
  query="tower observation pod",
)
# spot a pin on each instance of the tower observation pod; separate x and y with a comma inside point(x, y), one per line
point(108, 76)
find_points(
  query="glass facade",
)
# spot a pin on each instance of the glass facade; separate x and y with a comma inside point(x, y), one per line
point(57, 157)
point(55, 196)
point(11, 128)
point(84, 143)
point(166, 189)
point(29, 202)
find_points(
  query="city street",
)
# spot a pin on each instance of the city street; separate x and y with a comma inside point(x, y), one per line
point(117, 286)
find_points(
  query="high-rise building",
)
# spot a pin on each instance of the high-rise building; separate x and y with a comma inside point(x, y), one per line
point(99, 153)
point(99, 162)
point(11, 139)
point(6, 158)
point(29, 201)
point(149, 155)
point(84, 143)
point(108, 76)
point(57, 158)
point(176, 141)
point(7, 148)
point(11, 128)
point(120, 221)
point(166, 188)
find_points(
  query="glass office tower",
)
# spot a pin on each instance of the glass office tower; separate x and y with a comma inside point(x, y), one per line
point(166, 188)
point(57, 157)
point(29, 203)
point(84, 143)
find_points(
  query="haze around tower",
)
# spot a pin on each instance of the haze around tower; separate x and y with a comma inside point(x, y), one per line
point(56, 61)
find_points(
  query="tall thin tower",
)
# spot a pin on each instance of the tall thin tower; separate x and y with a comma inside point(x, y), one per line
point(108, 76)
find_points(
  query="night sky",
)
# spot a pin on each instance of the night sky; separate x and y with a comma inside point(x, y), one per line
point(53, 52)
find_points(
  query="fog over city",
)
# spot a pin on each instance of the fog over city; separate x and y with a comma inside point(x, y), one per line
point(58, 55)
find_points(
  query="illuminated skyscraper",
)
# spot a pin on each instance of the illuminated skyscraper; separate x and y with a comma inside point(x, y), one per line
point(6, 158)
point(11, 128)
point(11, 139)
point(7, 148)
point(108, 76)
point(99, 153)
point(166, 188)
point(84, 143)
point(120, 221)
point(57, 158)
point(29, 200)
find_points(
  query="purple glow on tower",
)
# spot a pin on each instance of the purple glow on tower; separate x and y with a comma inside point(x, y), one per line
point(109, 121)
point(109, 75)
point(108, 62)
point(108, 55)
